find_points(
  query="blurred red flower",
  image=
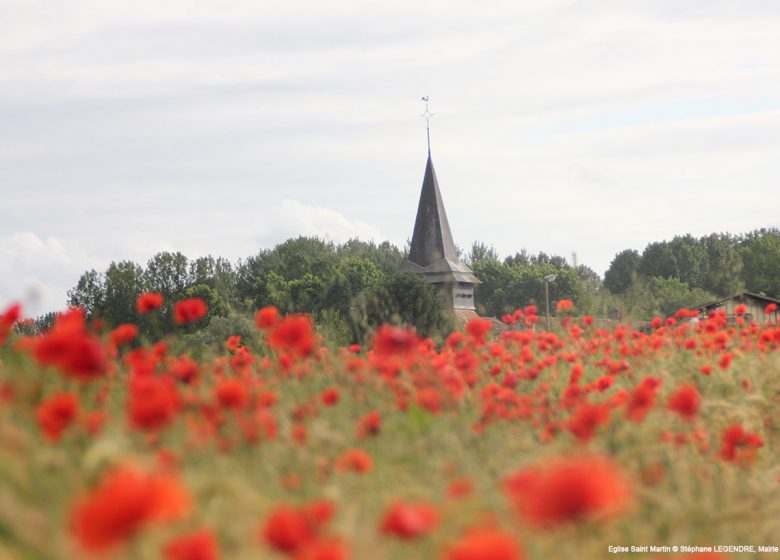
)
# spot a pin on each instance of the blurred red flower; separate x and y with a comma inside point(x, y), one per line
point(330, 396)
point(587, 418)
point(485, 544)
point(569, 489)
point(287, 529)
point(189, 310)
point(148, 302)
point(198, 545)
point(389, 341)
point(478, 328)
point(685, 401)
point(232, 393)
point(355, 460)
point(123, 334)
point(153, 402)
point(266, 317)
point(124, 501)
point(409, 521)
point(71, 348)
point(294, 334)
point(56, 413)
point(7, 319)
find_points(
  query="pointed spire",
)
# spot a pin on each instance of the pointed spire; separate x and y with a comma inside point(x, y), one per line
point(432, 239)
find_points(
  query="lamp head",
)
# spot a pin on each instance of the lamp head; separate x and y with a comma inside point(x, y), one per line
point(550, 278)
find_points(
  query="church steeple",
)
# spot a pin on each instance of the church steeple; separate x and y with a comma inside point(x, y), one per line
point(432, 238)
point(433, 252)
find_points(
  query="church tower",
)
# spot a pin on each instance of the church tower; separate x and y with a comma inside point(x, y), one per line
point(433, 253)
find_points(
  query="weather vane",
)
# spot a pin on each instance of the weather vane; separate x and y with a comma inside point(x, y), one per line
point(427, 116)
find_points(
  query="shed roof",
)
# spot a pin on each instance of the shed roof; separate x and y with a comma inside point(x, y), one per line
point(741, 295)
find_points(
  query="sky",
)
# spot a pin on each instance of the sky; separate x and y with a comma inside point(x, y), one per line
point(226, 127)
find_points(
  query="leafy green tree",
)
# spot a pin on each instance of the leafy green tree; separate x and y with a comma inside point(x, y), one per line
point(89, 293)
point(168, 274)
point(761, 258)
point(401, 299)
point(216, 273)
point(124, 282)
point(386, 256)
point(481, 252)
point(622, 271)
point(216, 304)
point(692, 260)
point(658, 260)
point(724, 275)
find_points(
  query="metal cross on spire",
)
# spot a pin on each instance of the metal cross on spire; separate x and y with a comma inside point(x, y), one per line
point(427, 116)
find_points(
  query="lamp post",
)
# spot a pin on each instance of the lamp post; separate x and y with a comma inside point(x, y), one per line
point(547, 279)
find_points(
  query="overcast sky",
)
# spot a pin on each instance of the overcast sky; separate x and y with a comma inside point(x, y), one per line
point(225, 127)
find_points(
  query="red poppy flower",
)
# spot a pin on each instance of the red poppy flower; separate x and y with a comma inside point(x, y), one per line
point(409, 521)
point(369, 425)
point(330, 396)
point(485, 544)
point(148, 302)
point(71, 348)
point(478, 328)
point(355, 460)
point(587, 418)
point(739, 445)
point(7, 319)
point(189, 310)
point(56, 413)
point(266, 317)
point(642, 399)
point(564, 306)
point(294, 334)
point(287, 529)
point(123, 334)
point(323, 548)
point(198, 545)
point(232, 393)
point(569, 489)
point(124, 501)
point(389, 341)
point(153, 402)
point(233, 342)
point(685, 401)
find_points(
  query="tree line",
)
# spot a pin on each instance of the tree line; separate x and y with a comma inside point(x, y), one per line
point(689, 271)
point(353, 287)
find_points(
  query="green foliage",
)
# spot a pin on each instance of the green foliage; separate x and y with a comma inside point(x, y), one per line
point(660, 297)
point(622, 271)
point(518, 282)
point(401, 299)
point(761, 256)
point(219, 328)
point(714, 266)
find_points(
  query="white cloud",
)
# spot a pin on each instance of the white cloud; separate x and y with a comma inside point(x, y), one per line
point(226, 127)
point(38, 272)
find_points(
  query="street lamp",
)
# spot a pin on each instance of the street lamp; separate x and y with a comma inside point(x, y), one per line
point(547, 279)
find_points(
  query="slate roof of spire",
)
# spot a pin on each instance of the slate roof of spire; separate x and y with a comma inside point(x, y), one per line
point(433, 250)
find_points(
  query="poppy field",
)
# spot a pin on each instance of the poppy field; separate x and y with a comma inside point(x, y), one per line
point(503, 442)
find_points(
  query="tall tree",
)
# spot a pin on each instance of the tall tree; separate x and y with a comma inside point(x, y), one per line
point(761, 257)
point(622, 271)
point(89, 293)
point(124, 282)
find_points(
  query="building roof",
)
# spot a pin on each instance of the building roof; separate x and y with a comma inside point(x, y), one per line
point(741, 295)
point(433, 249)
